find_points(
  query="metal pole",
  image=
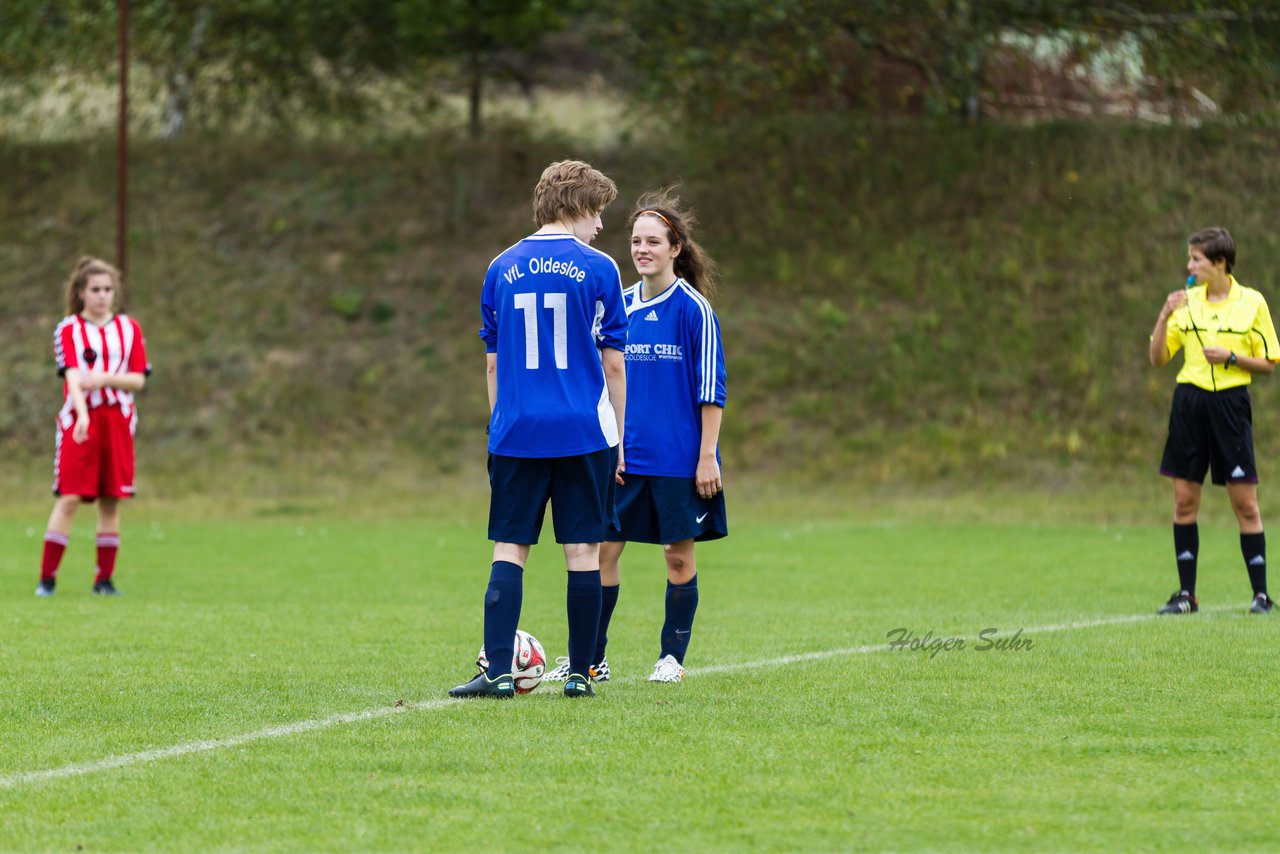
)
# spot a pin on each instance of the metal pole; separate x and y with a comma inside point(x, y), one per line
point(122, 147)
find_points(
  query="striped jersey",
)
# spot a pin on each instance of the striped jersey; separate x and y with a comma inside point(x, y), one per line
point(675, 364)
point(550, 303)
point(1241, 323)
point(116, 347)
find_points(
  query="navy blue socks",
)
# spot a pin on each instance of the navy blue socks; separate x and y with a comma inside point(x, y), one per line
point(502, 615)
point(1186, 546)
point(582, 601)
point(682, 604)
point(608, 601)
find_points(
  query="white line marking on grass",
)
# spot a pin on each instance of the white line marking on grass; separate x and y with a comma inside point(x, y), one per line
point(284, 730)
point(128, 759)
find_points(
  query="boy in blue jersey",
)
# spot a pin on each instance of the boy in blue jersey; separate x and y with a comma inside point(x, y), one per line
point(676, 394)
point(554, 333)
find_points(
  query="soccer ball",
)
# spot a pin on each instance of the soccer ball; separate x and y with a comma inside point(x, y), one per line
point(528, 664)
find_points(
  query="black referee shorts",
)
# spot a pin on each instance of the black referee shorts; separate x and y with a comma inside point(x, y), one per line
point(1210, 430)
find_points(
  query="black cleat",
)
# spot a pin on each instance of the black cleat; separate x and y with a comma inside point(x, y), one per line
point(105, 588)
point(45, 587)
point(578, 685)
point(1262, 604)
point(483, 686)
point(1181, 602)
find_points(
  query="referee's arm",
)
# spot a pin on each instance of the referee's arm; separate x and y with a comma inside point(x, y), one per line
point(1158, 348)
point(1252, 364)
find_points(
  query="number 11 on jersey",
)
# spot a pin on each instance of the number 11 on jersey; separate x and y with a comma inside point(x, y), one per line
point(528, 303)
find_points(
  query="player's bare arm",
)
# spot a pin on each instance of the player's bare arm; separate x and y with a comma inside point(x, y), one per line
point(74, 388)
point(491, 378)
point(707, 477)
point(615, 377)
point(132, 381)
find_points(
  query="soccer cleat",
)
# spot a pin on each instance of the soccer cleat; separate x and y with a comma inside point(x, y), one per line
point(105, 588)
point(483, 686)
point(597, 672)
point(1181, 602)
point(667, 670)
point(45, 587)
point(561, 672)
point(578, 685)
point(1261, 604)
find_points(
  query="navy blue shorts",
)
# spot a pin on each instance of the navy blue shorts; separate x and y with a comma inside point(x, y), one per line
point(1210, 430)
point(667, 510)
point(581, 491)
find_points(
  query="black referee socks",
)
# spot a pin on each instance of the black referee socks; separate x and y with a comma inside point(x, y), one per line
point(1254, 549)
point(1186, 547)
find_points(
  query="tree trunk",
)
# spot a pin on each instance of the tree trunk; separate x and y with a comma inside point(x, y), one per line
point(476, 90)
point(179, 82)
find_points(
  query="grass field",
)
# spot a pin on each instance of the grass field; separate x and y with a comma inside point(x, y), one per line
point(275, 681)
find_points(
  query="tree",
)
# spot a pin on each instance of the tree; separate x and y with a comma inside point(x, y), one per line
point(218, 55)
point(482, 37)
point(740, 56)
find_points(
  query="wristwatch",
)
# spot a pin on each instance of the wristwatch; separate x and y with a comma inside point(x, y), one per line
point(1231, 360)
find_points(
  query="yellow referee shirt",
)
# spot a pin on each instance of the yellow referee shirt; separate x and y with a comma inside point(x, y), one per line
point(1241, 323)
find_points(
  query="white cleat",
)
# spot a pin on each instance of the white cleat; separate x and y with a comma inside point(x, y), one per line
point(667, 670)
point(598, 672)
point(561, 673)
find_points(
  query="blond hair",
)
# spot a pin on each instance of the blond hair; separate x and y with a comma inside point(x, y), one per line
point(86, 267)
point(570, 190)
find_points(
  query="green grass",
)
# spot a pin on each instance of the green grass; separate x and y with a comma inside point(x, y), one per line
point(1151, 735)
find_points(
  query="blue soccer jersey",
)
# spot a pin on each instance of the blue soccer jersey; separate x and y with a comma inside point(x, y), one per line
point(550, 303)
point(675, 364)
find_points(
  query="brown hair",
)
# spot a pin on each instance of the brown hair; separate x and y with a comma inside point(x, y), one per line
point(1216, 244)
point(570, 190)
point(693, 264)
point(86, 267)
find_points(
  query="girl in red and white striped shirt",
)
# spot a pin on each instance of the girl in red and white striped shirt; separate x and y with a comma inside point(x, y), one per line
point(103, 361)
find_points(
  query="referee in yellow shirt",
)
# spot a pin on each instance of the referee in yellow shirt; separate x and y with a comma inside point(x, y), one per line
point(1227, 336)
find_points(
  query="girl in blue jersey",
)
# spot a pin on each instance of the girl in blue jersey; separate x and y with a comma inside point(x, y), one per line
point(670, 488)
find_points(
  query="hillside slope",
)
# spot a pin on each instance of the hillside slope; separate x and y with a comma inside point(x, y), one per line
point(899, 303)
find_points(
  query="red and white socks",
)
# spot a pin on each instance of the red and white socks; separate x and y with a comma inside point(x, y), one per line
point(54, 546)
point(108, 545)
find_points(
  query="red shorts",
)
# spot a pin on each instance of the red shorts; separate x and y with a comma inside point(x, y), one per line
point(101, 467)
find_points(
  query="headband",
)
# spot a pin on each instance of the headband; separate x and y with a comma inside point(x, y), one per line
point(674, 230)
